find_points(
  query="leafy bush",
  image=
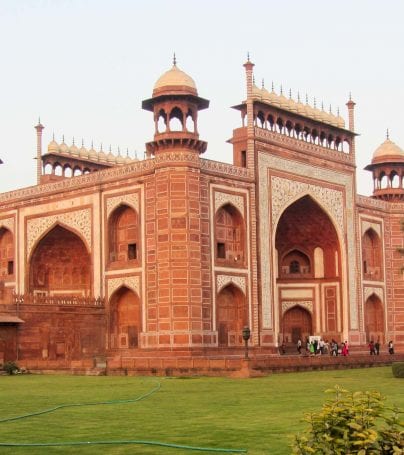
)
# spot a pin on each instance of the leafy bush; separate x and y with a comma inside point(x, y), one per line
point(11, 368)
point(352, 423)
point(398, 369)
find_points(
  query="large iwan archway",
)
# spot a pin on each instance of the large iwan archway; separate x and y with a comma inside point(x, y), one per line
point(60, 265)
point(232, 316)
point(309, 270)
point(125, 319)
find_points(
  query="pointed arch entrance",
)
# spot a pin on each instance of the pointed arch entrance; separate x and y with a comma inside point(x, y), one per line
point(60, 265)
point(374, 319)
point(296, 324)
point(232, 316)
point(125, 319)
point(309, 270)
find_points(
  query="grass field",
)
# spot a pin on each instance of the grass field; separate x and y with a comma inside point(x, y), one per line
point(254, 414)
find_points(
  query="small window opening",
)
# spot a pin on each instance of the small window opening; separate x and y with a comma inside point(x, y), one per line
point(132, 251)
point(243, 158)
point(10, 267)
point(365, 267)
point(221, 250)
point(294, 267)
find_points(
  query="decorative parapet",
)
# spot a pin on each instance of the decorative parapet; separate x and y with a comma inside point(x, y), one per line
point(79, 182)
point(226, 169)
point(379, 204)
point(67, 300)
point(290, 142)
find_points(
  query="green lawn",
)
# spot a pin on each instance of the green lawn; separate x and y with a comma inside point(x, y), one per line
point(254, 414)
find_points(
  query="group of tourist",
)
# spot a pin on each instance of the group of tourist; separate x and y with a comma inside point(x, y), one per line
point(374, 347)
point(317, 346)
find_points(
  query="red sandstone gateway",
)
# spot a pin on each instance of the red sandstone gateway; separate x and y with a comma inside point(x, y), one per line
point(157, 265)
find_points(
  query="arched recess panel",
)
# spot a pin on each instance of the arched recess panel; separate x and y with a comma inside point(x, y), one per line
point(304, 226)
point(295, 263)
point(230, 236)
point(296, 324)
point(6, 254)
point(124, 236)
point(232, 316)
point(372, 256)
point(125, 319)
point(60, 265)
point(374, 319)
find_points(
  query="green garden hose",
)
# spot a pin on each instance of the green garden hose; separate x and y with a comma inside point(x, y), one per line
point(124, 442)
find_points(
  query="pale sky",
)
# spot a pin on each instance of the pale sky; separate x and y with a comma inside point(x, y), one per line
point(84, 66)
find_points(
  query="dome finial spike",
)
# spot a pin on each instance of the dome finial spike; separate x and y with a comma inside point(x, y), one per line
point(338, 111)
point(248, 56)
point(101, 147)
point(174, 60)
point(298, 96)
point(127, 152)
point(322, 106)
point(82, 142)
point(387, 134)
point(315, 103)
point(307, 99)
point(350, 96)
point(262, 83)
point(53, 136)
point(92, 144)
point(281, 89)
point(273, 87)
point(63, 138)
point(290, 93)
point(73, 140)
point(330, 109)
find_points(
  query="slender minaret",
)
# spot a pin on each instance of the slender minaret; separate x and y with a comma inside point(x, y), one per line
point(39, 129)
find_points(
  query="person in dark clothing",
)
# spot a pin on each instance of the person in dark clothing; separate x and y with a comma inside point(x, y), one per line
point(377, 347)
point(372, 348)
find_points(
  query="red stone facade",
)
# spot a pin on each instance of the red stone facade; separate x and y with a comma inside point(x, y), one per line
point(170, 257)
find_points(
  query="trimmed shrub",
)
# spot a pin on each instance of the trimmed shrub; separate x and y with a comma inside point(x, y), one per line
point(11, 368)
point(398, 369)
point(352, 423)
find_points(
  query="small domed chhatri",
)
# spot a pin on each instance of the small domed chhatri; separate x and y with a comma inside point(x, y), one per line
point(387, 151)
point(175, 80)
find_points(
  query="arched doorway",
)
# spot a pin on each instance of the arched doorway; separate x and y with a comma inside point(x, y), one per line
point(372, 256)
point(60, 265)
point(374, 319)
point(6, 254)
point(232, 316)
point(124, 236)
point(229, 237)
point(125, 319)
point(309, 269)
point(296, 324)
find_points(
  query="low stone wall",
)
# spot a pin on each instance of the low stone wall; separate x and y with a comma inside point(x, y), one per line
point(233, 366)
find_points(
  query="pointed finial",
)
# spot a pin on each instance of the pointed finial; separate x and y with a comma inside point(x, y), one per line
point(338, 111)
point(127, 152)
point(281, 90)
point(350, 96)
point(322, 106)
point(53, 136)
point(330, 111)
point(262, 83)
point(110, 148)
point(174, 60)
point(101, 147)
point(82, 142)
point(73, 140)
point(136, 154)
point(248, 56)
point(63, 137)
point(387, 134)
point(307, 99)
point(272, 87)
point(314, 103)
point(92, 144)
point(298, 97)
point(119, 151)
